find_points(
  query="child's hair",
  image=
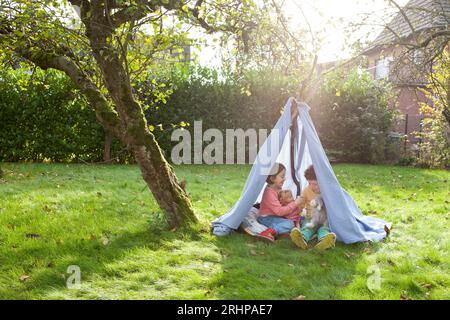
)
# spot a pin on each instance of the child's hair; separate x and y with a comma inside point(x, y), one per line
point(310, 174)
point(276, 169)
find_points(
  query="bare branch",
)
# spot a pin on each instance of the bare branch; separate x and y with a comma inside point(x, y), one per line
point(403, 13)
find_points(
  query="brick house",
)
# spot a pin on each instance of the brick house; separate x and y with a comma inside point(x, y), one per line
point(390, 59)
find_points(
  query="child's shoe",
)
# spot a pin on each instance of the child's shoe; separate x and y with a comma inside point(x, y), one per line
point(298, 238)
point(273, 232)
point(328, 241)
point(267, 235)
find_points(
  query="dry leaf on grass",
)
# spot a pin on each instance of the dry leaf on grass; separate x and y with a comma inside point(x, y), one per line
point(32, 235)
point(24, 277)
point(105, 241)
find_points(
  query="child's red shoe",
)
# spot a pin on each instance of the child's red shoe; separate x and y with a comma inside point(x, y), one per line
point(267, 235)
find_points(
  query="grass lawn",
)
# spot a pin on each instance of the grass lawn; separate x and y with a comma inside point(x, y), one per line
point(104, 220)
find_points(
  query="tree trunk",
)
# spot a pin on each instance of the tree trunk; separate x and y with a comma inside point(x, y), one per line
point(107, 147)
point(156, 172)
point(163, 183)
point(130, 127)
point(121, 115)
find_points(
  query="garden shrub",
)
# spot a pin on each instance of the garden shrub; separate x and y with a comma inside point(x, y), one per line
point(43, 116)
point(434, 148)
point(220, 102)
point(352, 116)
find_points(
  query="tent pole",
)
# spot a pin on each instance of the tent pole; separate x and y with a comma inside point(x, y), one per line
point(294, 135)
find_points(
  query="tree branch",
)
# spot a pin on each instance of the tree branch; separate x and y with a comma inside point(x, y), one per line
point(103, 110)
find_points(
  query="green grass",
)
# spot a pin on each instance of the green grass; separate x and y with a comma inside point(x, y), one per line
point(104, 220)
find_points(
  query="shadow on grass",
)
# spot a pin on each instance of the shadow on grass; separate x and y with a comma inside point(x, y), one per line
point(256, 270)
point(46, 261)
point(246, 269)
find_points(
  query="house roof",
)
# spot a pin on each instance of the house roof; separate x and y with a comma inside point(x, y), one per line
point(422, 14)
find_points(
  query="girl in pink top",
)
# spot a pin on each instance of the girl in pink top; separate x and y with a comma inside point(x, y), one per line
point(272, 213)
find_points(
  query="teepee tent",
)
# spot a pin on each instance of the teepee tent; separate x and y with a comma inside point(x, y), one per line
point(345, 218)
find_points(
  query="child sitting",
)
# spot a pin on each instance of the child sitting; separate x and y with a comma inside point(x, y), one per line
point(300, 237)
point(286, 197)
point(272, 213)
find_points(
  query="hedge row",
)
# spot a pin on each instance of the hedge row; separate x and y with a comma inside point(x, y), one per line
point(42, 116)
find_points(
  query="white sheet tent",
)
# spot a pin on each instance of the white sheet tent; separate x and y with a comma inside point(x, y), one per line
point(344, 216)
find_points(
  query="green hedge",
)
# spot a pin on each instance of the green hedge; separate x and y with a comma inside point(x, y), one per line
point(222, 103)
point(43, 117)
point(353, 117)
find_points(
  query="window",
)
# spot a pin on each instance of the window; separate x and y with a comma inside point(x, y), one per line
point(382, 68)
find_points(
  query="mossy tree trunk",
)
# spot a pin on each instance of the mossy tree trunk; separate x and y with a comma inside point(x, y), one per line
point(140, 141)
point(107, 147)
point(118, 111)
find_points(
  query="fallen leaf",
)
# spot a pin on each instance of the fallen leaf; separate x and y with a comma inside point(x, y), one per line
point(404, 297)
point(24, 277)
point(105, 241)
point(300, 298)
point(32, 235)
point(290, 265)
point(427, 285)
point(323, 264)
point(253, 252)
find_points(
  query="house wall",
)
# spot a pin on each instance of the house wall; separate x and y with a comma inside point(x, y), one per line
point(408, 97)
point(408, 103)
